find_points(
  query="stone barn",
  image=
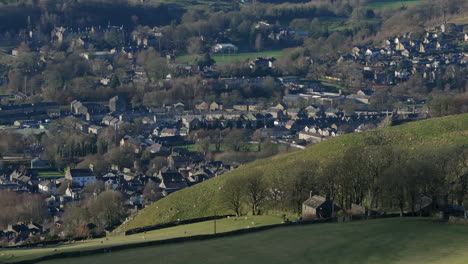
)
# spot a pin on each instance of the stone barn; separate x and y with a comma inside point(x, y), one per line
point(317, 207)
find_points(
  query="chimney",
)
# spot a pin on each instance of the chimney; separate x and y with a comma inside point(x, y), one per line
point(91, 167)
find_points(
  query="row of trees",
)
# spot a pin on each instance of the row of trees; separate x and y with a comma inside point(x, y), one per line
point(102, 210)
point(21, 207)
point(378, 177)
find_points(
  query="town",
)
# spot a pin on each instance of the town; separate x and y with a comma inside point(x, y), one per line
point(100, 120)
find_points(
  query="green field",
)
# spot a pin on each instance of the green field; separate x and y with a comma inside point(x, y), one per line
point(228, 58)
point(405, 240)
point(391, 4)
point(205, 198)
point(51, 174)
point(223, 225)
point(198, 4)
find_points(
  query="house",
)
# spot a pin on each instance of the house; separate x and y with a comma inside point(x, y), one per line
point(118, 104)
point(216, 106)
point(310, 136)
point(281, 106)
point(73, 193)
point(255, 107)
point(171, 181)
point(80, 176)
point(318, 207)
point(262, 63)
point(178, 107)
point(38, 163)
point(203, 106)
point(191, 122)
point(241, 107)
point(95, 130)
point(225, 48)
point(275, 132)
point(47, 187)
point(169, 132)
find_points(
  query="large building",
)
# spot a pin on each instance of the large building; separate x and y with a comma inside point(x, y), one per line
point(80, 176)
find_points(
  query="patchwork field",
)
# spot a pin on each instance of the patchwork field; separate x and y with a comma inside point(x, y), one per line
point(224, 225)
point(414, 241)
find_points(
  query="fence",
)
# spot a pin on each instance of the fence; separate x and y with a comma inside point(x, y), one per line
point(175, 223)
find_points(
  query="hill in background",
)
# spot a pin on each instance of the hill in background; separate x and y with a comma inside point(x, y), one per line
point(205, 199)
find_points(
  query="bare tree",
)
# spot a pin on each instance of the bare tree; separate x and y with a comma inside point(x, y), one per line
point(233, 194)
point(256, 192)
point(152, 192)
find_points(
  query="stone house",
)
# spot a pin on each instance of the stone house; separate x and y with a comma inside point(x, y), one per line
point(318, 207)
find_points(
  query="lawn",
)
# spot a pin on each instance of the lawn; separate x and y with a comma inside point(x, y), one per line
point(223, 225)
point(228, 58)
point(51, 174)
point(391, 4)
point(406, 240)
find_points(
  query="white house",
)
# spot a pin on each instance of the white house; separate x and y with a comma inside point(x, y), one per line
point(47, 187)
point(80, 176)
point(225, 48)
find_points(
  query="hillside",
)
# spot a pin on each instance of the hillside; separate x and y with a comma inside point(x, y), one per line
point(204, 199)
point(403, 240)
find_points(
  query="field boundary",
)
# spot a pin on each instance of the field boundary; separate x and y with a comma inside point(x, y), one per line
point(177, 240)
point(172, 224)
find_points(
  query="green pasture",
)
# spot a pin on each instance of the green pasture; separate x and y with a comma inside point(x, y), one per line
point(223, 225)
point(228, 58)
point(400, 240)
point(391, 4)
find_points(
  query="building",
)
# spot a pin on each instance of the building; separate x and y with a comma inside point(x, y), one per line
point(47, 187)
point(172, 181)
point(318, 207)
point(80, 176)
point(38, 163)
point(202, 106)
point(215, 106)
point(118, 104)
point(225, 48)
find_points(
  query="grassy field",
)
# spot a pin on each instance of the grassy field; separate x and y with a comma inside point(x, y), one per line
point(213, 5)
point(391, 4)
point(228, 58)
point(414, 241)
point(205, 198)
point(223, 225)
point(51, 174)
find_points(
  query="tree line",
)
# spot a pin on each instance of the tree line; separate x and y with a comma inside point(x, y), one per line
point(381, 178)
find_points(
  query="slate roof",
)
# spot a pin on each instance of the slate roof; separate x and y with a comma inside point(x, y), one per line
point(315, 201)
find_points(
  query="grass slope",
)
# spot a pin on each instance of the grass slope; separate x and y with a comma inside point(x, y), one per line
point(204, 199)
point(414, 241)
point(224, 225)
